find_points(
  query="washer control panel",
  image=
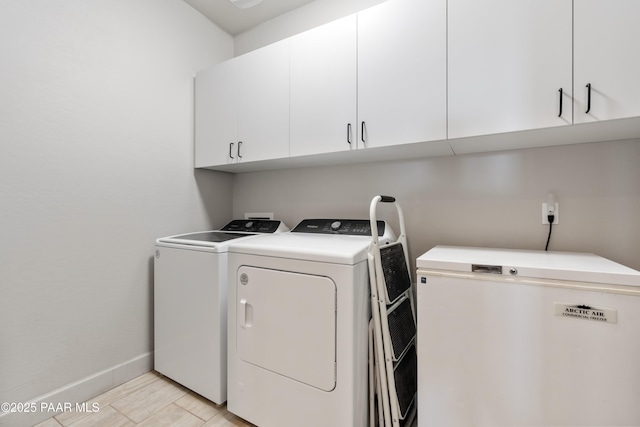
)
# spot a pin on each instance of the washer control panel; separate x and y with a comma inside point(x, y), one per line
point(253, 225)
point(351, 227)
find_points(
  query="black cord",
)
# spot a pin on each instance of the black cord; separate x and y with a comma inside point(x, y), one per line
point(551, 218)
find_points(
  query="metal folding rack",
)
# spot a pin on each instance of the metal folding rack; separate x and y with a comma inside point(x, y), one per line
point(392, 330)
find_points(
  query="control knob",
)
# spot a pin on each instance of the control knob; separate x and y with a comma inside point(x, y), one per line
point(248, 225)
point(335, 225)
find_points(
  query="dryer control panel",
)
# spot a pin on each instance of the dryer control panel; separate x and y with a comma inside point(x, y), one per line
point(351, 227)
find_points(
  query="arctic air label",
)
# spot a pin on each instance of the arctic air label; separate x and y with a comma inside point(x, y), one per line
point(586, 312)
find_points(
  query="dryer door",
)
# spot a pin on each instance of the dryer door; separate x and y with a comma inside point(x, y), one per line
point(286, 323)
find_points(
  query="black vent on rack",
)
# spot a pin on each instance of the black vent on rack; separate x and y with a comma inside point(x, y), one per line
point(394, 268)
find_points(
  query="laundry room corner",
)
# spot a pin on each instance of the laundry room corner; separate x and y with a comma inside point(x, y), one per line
point(215, 191)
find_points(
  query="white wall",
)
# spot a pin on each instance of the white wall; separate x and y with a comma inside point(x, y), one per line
point(491, 199)
point(96, 161)
point(304, 18)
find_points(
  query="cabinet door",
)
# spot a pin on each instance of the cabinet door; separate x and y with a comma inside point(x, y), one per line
point(263, 102)
point(507, 61)
point(323, 88)
point(606, 36)
point(402, 72)
point(216, 114)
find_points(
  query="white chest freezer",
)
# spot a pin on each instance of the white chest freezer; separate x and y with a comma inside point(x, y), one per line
point(526, 338)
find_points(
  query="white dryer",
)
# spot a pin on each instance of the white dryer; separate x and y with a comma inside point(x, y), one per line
point(190, 305)
point(298, 318)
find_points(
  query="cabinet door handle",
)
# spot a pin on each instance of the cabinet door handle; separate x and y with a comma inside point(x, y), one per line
point(362, 132)
point(588, 98)
point(560, 113)
point(239, 145)
point(230, 148)
point(349, 133)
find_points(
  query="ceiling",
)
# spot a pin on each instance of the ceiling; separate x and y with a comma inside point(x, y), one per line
point(235, 21)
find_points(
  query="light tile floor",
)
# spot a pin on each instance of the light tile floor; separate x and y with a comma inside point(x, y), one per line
point(151, 400)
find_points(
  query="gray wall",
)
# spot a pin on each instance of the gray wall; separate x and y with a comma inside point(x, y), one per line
point(491, 199)
point(96, 128)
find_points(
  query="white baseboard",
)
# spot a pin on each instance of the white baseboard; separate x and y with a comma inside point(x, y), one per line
point(79, 391)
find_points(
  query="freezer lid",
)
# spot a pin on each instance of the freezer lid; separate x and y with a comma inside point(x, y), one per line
point(570, 266)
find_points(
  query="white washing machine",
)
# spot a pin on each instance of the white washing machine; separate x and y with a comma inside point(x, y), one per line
point(299, 309)
point(190, 305)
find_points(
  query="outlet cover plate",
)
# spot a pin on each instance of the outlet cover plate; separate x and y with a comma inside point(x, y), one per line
point(545, 214)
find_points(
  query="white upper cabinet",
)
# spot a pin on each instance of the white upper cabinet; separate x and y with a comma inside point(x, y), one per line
point(402, 73)
point(242, 108)
point(263, 102)
point(509, 65)
point(323, 89)
point(415, 78)
point(216, 115)
point(606, 57)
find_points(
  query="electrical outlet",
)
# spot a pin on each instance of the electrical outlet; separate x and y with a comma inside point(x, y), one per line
point(546, 211)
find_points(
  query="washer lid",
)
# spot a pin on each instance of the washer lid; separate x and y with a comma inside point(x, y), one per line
point(204, 236)
point(579, 267)
point(216, 240)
